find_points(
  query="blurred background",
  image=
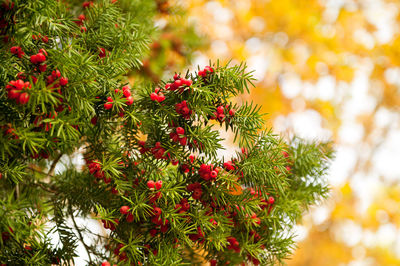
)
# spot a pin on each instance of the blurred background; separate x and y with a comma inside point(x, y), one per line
point(325, 69)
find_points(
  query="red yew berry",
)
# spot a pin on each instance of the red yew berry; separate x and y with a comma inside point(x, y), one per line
point(129, 100)
point(180, 131)
point(129, 217)
point(157, 211)
point(13, 94)
point(106, 263)
point(183, 141)
point(124, 210)
point(81, 17)
point(213, 262)
point(153, 232)
point(15, 49)
point(213, 174)
point(220, 109)
point(126, 91)
point(93, 120)
point(271, 200)
point(232, 112)
point(43, 51)
point(83, 29)
point(187, 82)
point(23, 98)
point(153, 96)
point(63, 81)
point(102, 52)
point(87, 4)
point(176, 76)
point(151, 184)
point(43, 68)
point(158, 185)
point(108, 105)
point(56, 74)
point(197, 193)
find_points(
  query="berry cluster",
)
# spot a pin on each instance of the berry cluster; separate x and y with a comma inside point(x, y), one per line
point(223, 113)
point(95, 168)
point(158, 151)
point(179, 136)
point(183, 206)
point(207, 70)
point(208, 172)
point(196, 189)
point(154, 185)
point(179, 84)
point(124, 210)
point(17, 89)
point(157, 95)
point(39, 37)
point(199, 237)
point(233, 244)
point(183, 109)
point(55, 80)
point(109, 104)
point(16, 50)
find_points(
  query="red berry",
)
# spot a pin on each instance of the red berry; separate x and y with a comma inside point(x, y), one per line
point(178, 83)
point(14, 93)
point(43, 68)
point(158, 185)
point(160, 97)
point(102, 52)
point(56, 74)
point(40, 57)
point(213, 262)
point(127, 92)
point(81, 17)
point(63, 81)
point(23, 98)
point(221, 117)
point(43, 51)
point(154, 96)
point(83, 29)
point(129, 100)
point(271, 200)
point(157, 211)
point(108, 105)
point(232, 112)
point(187, 82)
point(93, 120)
point(129, 217)
point(180, 131)
point(176, 76)
point(153, 232)
point(183, 141)
point(106, 263)
point(213, 174)
point(124, 209)
point(150, 184)
point(15, 49)
point(220, 109)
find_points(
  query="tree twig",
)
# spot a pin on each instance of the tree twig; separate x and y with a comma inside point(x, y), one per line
point(80, 235)
point(53, 165)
